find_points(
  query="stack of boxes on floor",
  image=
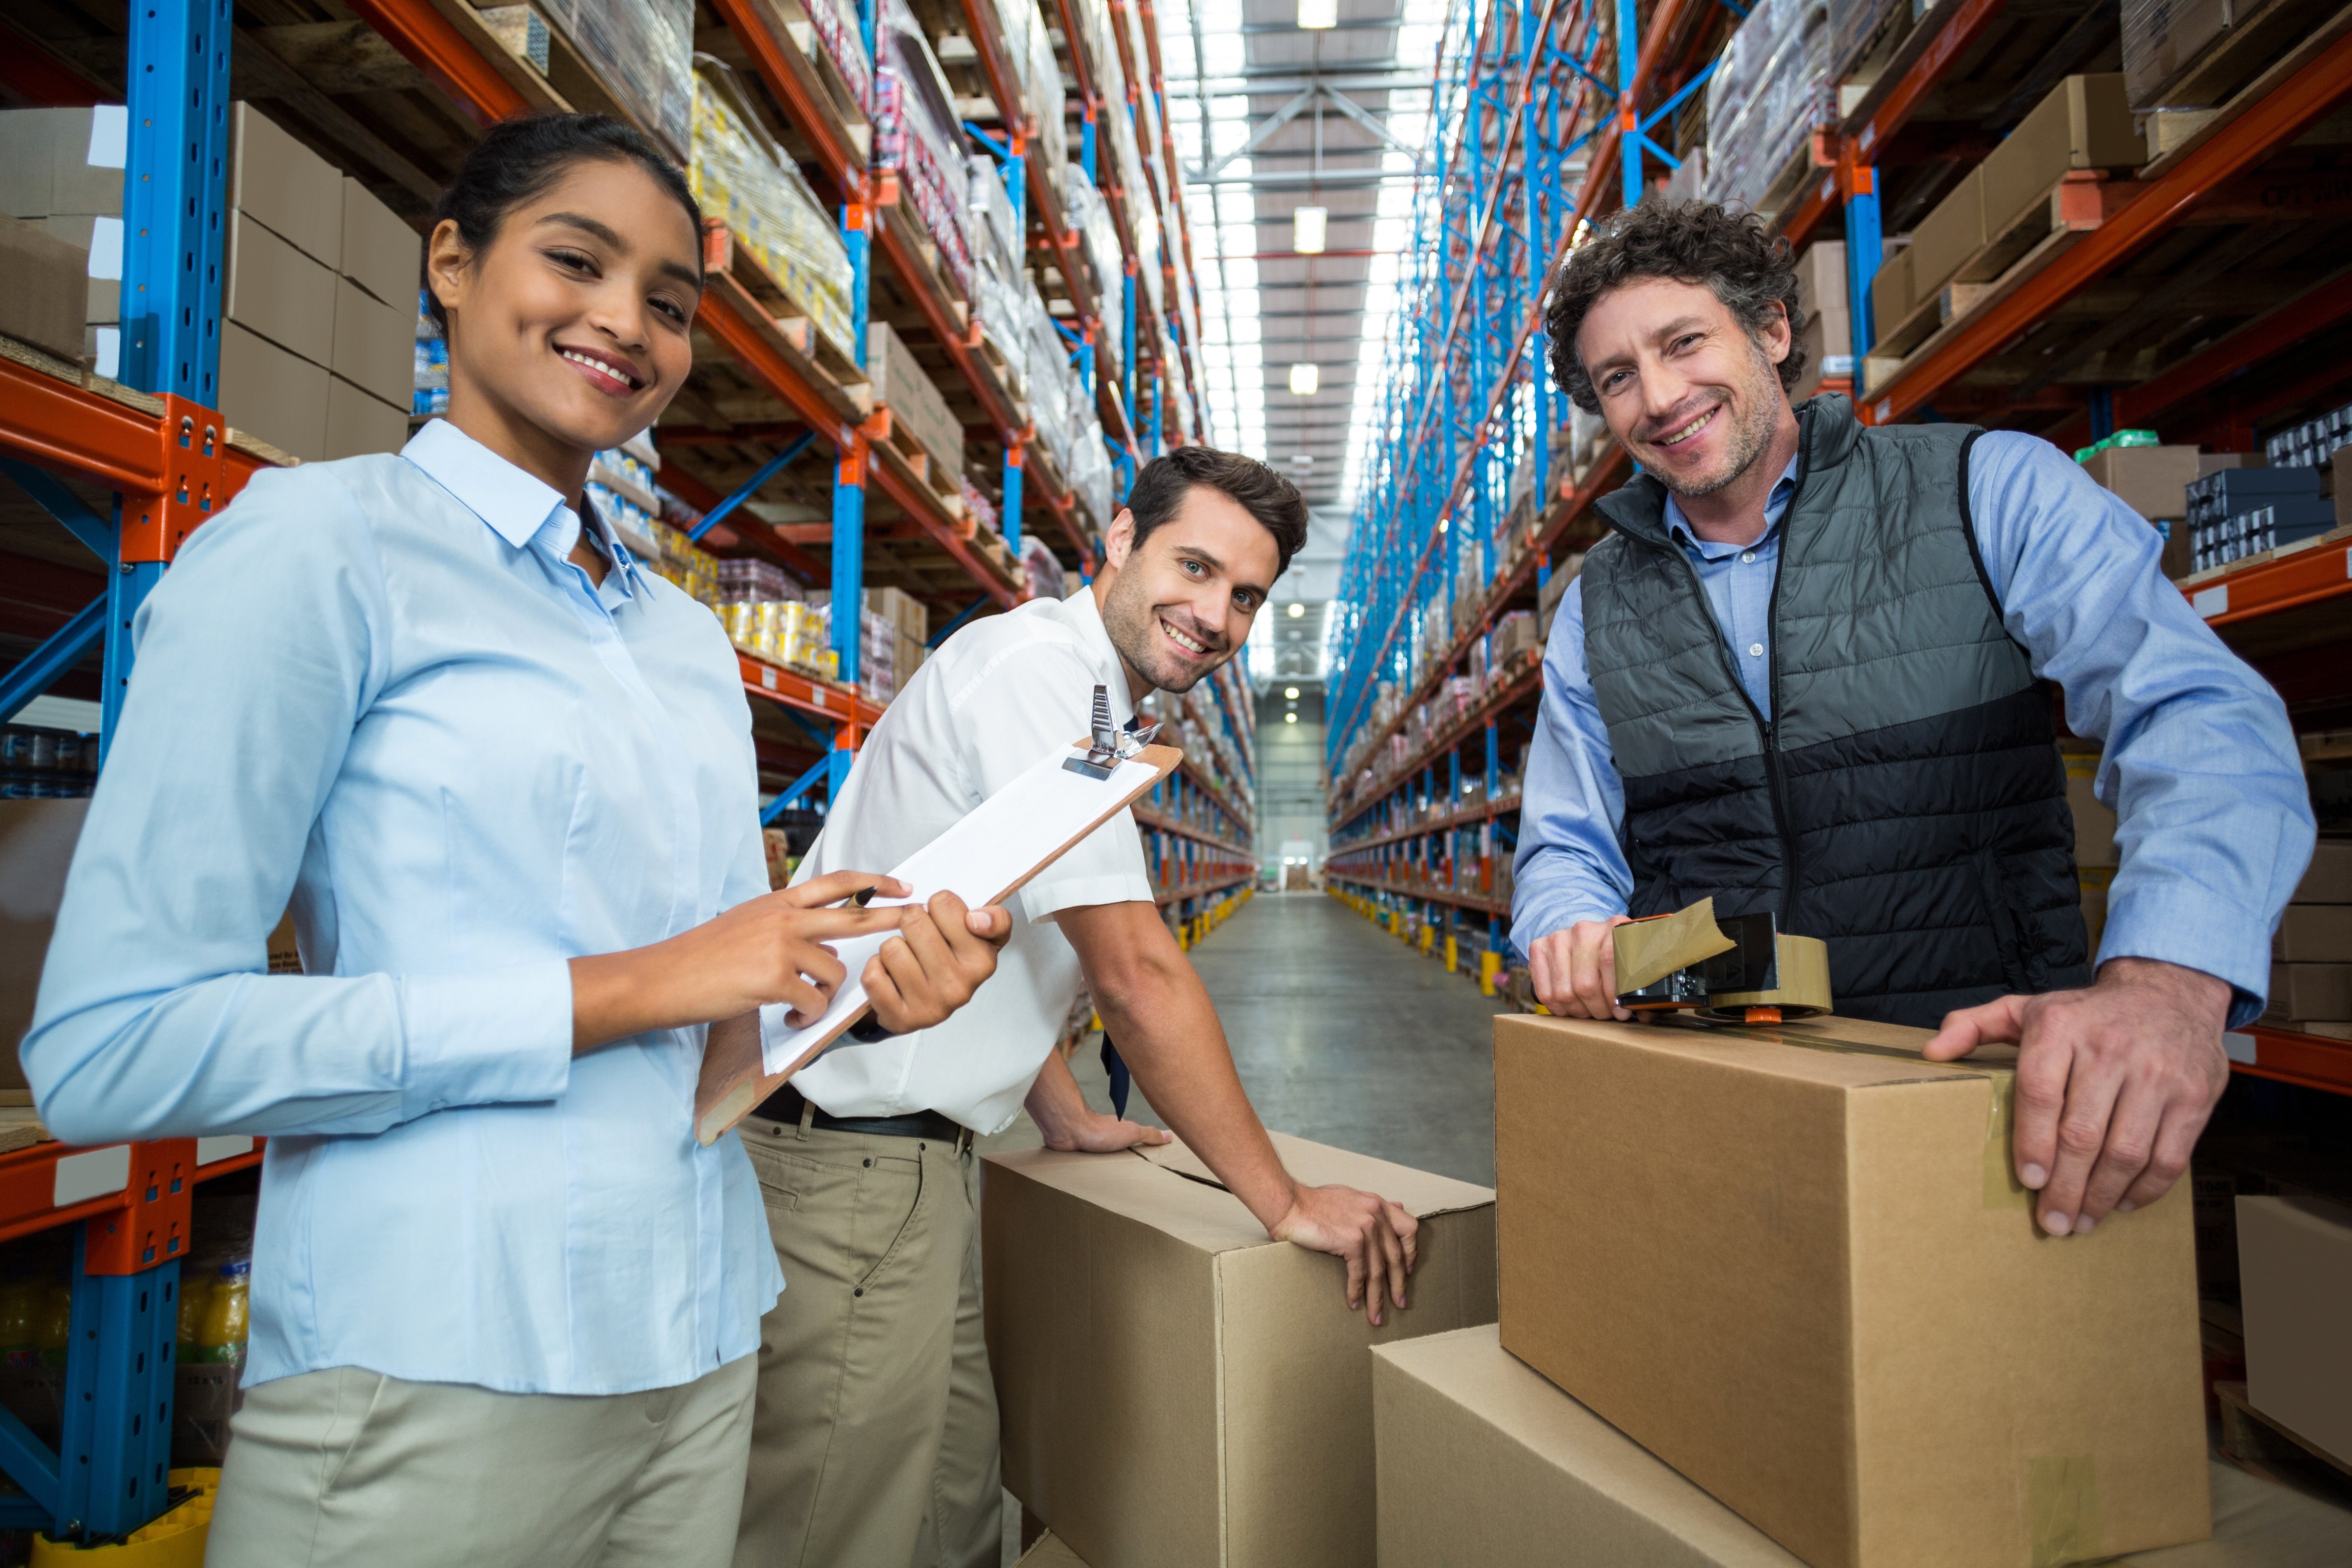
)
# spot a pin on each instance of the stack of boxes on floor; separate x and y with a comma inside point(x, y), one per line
point(61, 180)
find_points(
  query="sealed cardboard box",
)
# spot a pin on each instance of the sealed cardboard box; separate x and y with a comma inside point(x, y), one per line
point(2295, 1270)
point(380, 252)
point(2152, 480)
point(63, 162)
point(1890, 291)
point(267, 392)
point(99, 239)
point(914, 401)
point(1821, 278)
point(46, 301)
point(1793, 1262)
point(285, 186)
point(1482, 1464)
point(279, 293)
point(1953, 230)
point(2328, 879)
point(2314, 933)
point(375, 344)
point(37, 845)
point(358, 423)
point(2085, 123)
point(2321, 992)
point(1175, 1388)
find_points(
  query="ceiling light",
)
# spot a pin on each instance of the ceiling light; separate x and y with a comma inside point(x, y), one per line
point(1290, 693)
point(1290, 718)
point(1296, 610)
point(1315, 15)
point(1302, 460)
point(1306, 226)
point(1305, 379)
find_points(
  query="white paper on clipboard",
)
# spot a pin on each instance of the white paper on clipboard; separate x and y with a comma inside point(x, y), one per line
point(1007, 840)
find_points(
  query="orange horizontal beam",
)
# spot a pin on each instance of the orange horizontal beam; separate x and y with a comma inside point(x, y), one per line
point(742, 339)
point(57, 425)
point(793, 689)
point(426, 39)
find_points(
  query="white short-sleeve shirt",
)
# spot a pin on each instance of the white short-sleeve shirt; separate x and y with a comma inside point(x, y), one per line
point(999, 695)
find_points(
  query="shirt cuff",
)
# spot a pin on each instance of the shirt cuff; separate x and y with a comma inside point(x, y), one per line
point(2177, 925)
point(1043, 902)
point(498, 1036)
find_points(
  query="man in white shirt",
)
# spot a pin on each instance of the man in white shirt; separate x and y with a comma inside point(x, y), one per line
point(874, 1443)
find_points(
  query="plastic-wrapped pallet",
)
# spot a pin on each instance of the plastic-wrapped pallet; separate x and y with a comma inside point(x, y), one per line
point(1047, 100)
point(1769, 89)
point(1856, 26)
point(923, 138)
point(643, 51)
point(1040, 566)
point(740, 175)
point(1089, 472)
point(995, 231)
point(843, 37)
point(1098, 237)
point(1003, 315)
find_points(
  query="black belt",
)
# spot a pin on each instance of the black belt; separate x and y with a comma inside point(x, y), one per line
point(787, 1104)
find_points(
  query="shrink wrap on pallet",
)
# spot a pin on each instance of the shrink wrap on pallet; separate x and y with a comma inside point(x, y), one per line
point(917, 133)
point(1771, 86)
point(1047, 101)
point(643, 51)
point(739, 175)
point(843, 37)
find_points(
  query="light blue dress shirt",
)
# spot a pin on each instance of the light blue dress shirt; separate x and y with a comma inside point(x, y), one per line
point(2214, 819)
point(378, 688)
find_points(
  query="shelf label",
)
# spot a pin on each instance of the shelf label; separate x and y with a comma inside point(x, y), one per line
point(2211, 602)
point(2239, 1047)
point(768, 675)
point(228, 1148)
point(91, 1174)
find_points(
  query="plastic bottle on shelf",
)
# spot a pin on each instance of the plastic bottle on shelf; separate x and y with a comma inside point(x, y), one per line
point(221, 1339)
point(195, 1301)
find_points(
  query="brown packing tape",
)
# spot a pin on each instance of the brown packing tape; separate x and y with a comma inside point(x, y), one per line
point(2002, 1188)
point(2061, 1509)
point(1804, 966)
point(1648, 950)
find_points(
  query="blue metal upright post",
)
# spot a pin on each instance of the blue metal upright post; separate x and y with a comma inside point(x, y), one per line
point(1016, 185)
point(1629, 133)
point(1865, 250)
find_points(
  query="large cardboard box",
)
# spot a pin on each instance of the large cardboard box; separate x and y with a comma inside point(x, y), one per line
point(375, 344)
point(1821, 277)
point(914, 401)
point(2161, 41)
point(2315, 992)
point(99, 239)
point(279, 396)
point(45, 302)
point(37, 845)
point(2295, 1270)
point(2314, 933)
point(59, 161)
point(2152, 480)
point(358, 423)
point(1953, 230)
point(279, 293)
point(380, 252)
point(1178, 1391)
point(1482, 1464)
point(284, 185)
point(1793, 1262)
point(1890, 292)
point(2085, 123)
point(2328, 879)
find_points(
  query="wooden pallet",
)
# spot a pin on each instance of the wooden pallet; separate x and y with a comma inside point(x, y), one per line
point(1002, 368)
point(932, 473)
point(732, 271)
point(2261, 1446)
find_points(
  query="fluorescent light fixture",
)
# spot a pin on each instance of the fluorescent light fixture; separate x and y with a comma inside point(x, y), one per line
point(1306, 226)
point(1290, 693)
point(1315, 15)
point(1296, 610)
point(1290, 718)
point(1302, 459)
point(1305, 379)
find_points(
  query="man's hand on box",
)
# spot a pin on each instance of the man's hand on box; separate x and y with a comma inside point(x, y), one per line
point(2114, 1083)
point(1377, 1238)
point(1575, 971)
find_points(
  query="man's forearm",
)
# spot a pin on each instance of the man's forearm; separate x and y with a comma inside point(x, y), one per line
point(1054, 1101)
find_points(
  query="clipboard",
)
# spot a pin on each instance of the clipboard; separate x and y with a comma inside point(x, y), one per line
point(986, 858)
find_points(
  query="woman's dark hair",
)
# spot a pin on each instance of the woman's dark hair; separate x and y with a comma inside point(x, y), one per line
point(1266, 495)
point(1738, 260)
point(519, 160)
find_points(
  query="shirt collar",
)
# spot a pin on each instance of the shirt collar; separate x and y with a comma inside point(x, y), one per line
point(515, 505)
point(1776, 505)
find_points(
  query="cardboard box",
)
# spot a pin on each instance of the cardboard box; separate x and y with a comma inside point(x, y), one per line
point(2214, 462)
point(1485, 1465)
point(1821, 278)
point(375, 344)
point(1051, 1552)
point(99, 239)
point(2164, 40)
point(2152, 480)
point(2095, 821)
point(284, 185)
point(1953, 230)
point(380, 252)
point(2085, 123)
point(1890, 292)
point(1794, 1263)
point(2320, 992)
point(358, 423)
point(37, 845)
point(915, 403)
point(2328, 879)
point(2295, 1270)
point(2314, 933)
point(46, 301)
point(279, 396)
point(279, 293)
point(1175, 1388)
point(63, 162)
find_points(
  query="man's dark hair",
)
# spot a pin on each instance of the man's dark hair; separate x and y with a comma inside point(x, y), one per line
point(521, 159)
point(1735, 256)
point(1266, 495)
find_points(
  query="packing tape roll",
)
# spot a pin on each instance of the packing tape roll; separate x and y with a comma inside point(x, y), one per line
point(2062, 1510)
point(1804, 989)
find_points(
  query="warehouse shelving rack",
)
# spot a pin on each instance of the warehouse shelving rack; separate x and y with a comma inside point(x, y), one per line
point(1401, 842)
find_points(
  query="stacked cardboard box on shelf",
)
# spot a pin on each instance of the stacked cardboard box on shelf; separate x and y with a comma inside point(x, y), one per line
point(2294, 1277)
point(913, 399)
point(61, 172)
point(1827, 337)
point(2311, 951)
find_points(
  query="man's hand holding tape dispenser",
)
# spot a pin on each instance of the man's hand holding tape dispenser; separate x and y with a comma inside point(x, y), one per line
point(877, 1416)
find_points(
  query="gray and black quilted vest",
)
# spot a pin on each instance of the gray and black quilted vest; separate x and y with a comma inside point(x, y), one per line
point(1905, 801)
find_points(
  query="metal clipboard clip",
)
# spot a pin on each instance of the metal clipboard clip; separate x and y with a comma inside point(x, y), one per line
point(1109, 745)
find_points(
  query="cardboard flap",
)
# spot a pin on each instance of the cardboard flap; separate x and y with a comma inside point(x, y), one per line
point(1419, 1193)
point(1829, 1051)
point(1198, 1213)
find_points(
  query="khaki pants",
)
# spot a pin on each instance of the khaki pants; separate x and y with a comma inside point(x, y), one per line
point(874, 1445)
point(352, 1466)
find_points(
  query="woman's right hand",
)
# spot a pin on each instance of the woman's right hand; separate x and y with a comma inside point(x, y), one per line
point(771, 949)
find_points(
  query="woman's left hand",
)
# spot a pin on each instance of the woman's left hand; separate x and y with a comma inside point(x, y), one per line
point(943, 954)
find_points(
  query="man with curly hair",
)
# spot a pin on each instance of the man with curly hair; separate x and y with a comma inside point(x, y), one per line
point(1804, 672)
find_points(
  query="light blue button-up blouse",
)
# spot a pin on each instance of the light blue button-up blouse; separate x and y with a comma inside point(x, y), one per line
point(378, 688)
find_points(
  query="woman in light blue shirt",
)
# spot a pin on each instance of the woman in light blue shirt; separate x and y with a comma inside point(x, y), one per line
point(504, 1307)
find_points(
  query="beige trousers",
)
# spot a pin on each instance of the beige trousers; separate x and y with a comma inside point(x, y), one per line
point(874, 1444)
point(351, 1467)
